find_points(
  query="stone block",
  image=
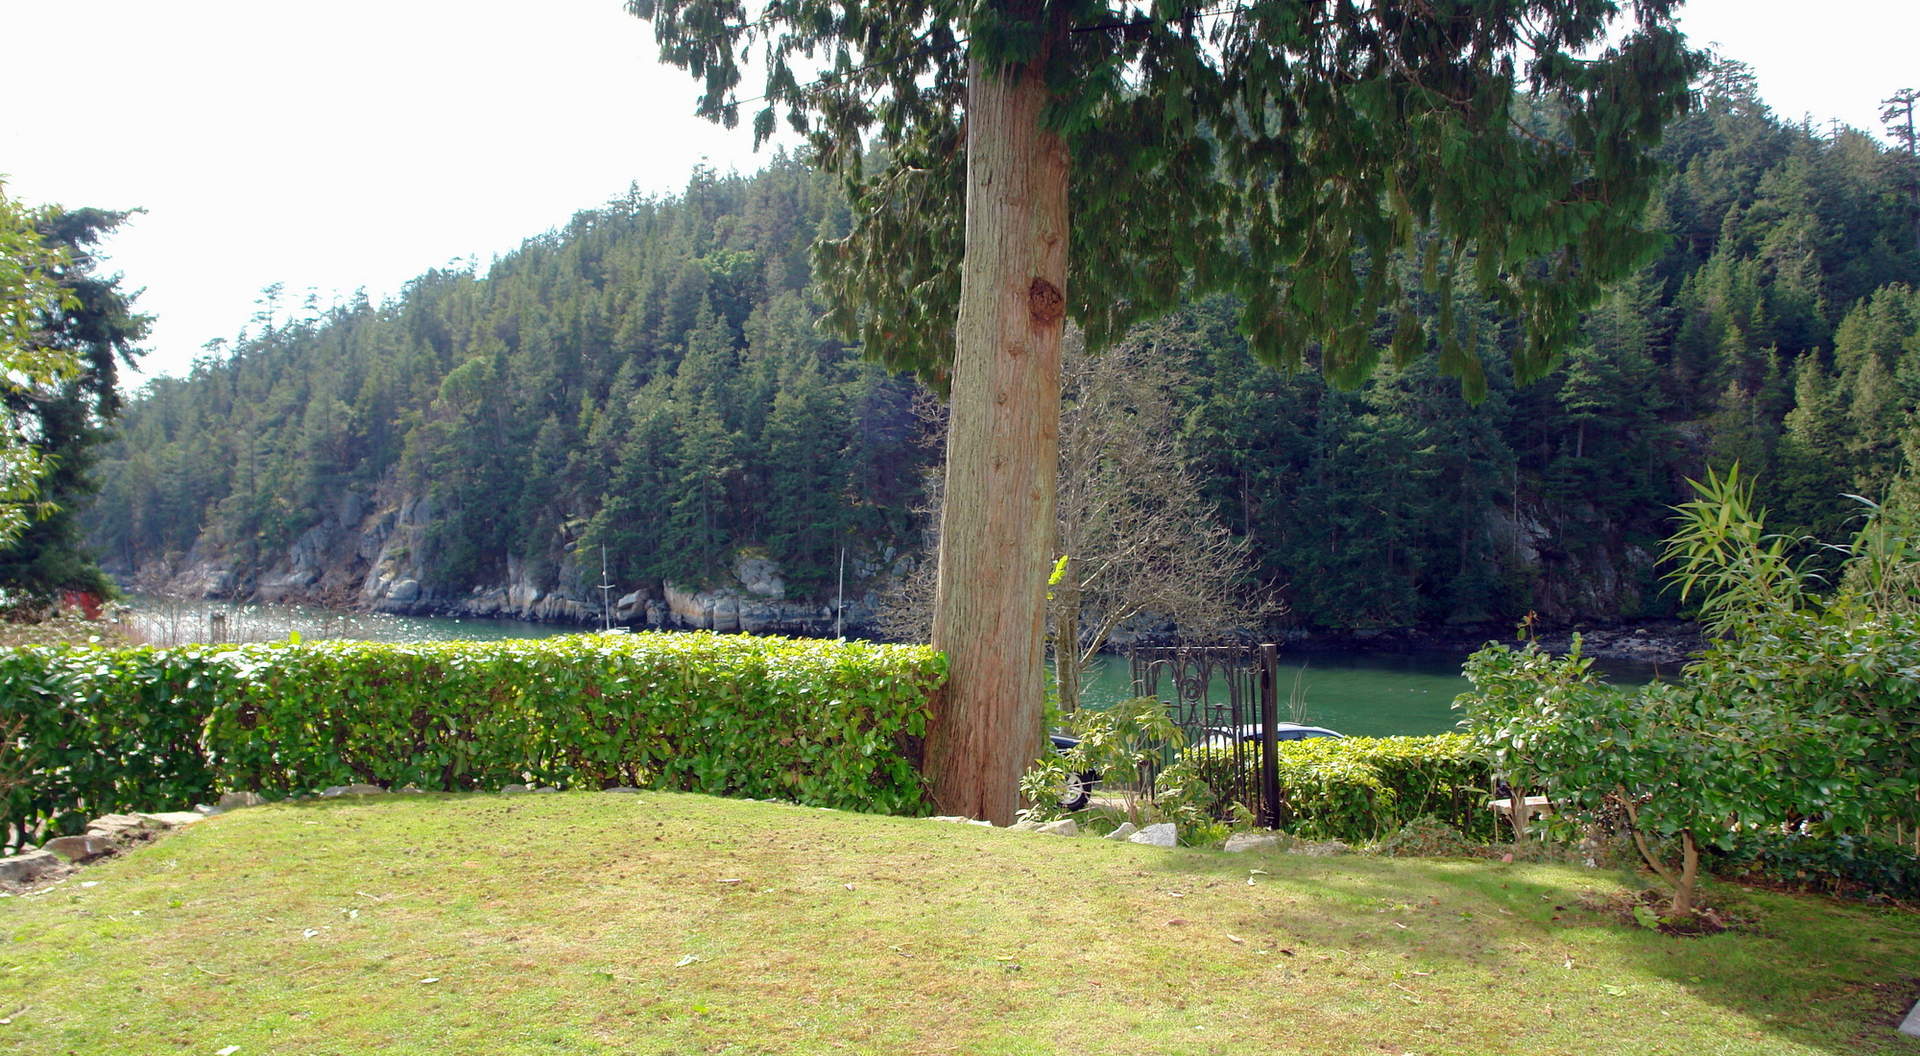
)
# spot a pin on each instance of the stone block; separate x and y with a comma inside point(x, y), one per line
point(173, 819)
point(1242, 842)
point(78, 849)
point(1160, 835)
point(30, 866)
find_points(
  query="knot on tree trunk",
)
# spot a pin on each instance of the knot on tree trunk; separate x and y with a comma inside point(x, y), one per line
point(1045, 303)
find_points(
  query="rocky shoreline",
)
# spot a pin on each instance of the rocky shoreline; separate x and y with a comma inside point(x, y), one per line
point(1649, 642)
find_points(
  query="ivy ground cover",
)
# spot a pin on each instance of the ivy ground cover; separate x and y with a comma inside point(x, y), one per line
point(673, 923)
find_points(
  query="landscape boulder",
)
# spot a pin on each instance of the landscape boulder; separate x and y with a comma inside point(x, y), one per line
point(30, 866)
point(236, 800)
point(352, 790)
point(1063, 827)
point(79, 849)
point(124, 826)
point(1160, 835)
point(173, 819)
point(1126, 829)
point(1242, 842)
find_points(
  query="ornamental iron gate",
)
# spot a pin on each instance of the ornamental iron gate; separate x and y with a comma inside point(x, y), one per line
point(1223, 697)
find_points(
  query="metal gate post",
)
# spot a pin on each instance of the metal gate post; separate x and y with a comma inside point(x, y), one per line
point(1269, 737)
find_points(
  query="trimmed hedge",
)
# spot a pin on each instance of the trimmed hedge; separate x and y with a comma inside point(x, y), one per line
point(1360, 789)
point(824, 723)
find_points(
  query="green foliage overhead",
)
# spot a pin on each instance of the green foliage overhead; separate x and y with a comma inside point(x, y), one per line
point(826, 723)
point(1287, 150)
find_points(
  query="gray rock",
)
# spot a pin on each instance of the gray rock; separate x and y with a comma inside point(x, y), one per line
point(621, 788)
point(957, 820)
point(405, 590)
point(1320, 850)
point(173, 819)
point(1063, 827)
point(205, 811)
point(546, 788)
point(1024, 825)
point(517, 788)
point(352, 790)
point(30, 866)
point(78, 849)
point(122, 826)
point(236, 800)
point(1242, 842)
point(1161, 835)
point(1911, 1025)
point(1126, 829)
point(760, 576)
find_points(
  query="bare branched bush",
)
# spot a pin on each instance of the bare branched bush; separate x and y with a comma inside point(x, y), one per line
point(1139, 549)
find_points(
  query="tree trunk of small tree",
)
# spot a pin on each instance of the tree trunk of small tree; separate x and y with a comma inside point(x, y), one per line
point(1682, 906)
point(1002, 450)
point(1066, 638)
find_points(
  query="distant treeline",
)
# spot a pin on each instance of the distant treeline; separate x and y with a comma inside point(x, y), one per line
point(650, 378)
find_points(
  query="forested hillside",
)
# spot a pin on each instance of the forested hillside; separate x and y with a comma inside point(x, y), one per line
point(650, 379)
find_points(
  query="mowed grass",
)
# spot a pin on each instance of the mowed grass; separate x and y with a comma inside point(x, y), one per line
point(658, 923)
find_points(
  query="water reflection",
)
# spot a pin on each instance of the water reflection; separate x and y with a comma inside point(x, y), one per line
point(180, 621)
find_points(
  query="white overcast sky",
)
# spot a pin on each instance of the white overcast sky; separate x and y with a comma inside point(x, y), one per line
point(360, 142)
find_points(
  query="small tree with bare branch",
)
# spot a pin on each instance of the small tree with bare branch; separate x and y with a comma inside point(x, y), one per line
point(1136, 546)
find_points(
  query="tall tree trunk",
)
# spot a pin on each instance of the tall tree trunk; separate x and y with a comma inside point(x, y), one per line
point(1002, 450)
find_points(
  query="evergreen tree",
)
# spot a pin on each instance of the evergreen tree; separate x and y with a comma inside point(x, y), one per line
point(95, 327)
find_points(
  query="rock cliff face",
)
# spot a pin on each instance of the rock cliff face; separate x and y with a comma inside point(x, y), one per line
point(367, 555)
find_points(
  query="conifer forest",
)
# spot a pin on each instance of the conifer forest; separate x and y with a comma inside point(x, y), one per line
point(650, 379)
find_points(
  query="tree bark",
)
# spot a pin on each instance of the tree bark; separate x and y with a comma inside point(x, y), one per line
point(1066, 638)
point(1682, 906)
point(1002, 450)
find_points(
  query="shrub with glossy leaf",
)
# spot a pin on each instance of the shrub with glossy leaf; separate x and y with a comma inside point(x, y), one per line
point(818, 722)
point(1362, 788)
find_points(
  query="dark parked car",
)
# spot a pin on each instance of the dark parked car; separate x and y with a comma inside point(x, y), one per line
point(1079, 786)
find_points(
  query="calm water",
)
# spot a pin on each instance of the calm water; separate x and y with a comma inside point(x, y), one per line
point(173, 621)
point(1361, 694)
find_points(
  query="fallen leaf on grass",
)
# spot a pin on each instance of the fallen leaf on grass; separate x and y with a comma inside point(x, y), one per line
point(728, 880)
point(688, 959)
point(1236, 938)
point(228, 1051)
point(430, 979)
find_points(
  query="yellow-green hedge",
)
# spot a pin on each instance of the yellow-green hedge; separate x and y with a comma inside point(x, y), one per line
point(825, 723)
point(1362, 788)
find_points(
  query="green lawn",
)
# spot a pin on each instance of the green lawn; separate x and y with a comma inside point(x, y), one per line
point(598, 923)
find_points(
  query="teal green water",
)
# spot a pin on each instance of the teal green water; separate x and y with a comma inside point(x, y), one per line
point(1359, 694)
